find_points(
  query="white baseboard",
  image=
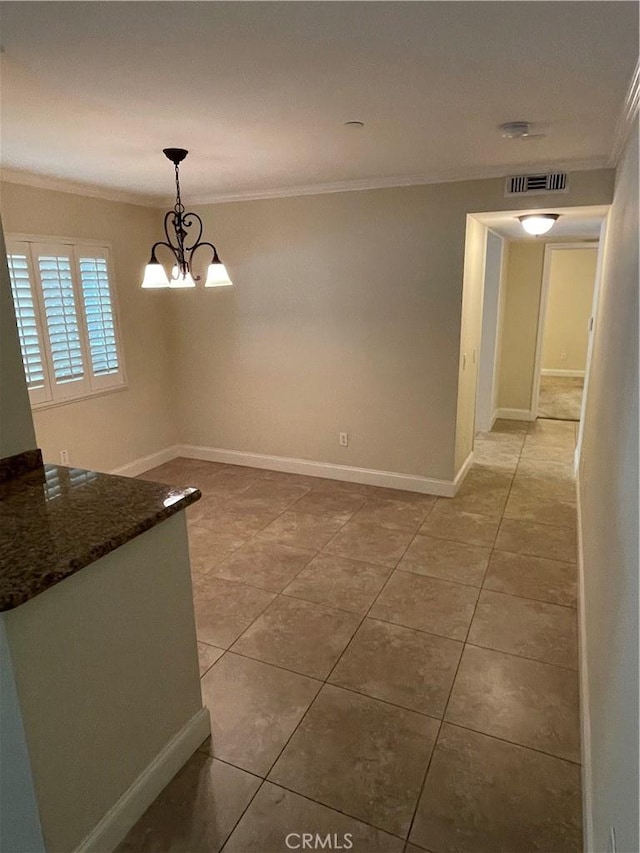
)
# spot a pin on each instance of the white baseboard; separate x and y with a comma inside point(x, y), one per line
point(114, 826)
point(549, 372)
point(462, 473)
point(346, 473)
point(145, 463)
point(585, 718)
point(516, 414)
point(552, 372)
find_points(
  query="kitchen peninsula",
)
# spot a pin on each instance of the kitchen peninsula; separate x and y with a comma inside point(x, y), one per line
point(101, 699)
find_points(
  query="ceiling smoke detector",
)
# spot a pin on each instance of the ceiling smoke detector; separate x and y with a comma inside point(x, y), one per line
point(518, 130)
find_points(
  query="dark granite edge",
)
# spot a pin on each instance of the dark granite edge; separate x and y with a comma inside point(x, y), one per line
point(20, 463)
point(95, 552)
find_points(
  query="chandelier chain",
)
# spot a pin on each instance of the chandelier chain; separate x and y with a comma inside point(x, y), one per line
point(179, 205)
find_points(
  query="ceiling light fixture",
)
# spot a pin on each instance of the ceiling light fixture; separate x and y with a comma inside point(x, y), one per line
point(521, 130)
point(177, 225)
point(538, 223)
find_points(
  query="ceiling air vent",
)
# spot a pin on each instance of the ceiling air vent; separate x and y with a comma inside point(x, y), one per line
point(553, 182)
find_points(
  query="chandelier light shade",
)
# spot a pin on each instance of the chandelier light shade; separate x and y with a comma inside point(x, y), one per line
point(538, 223)
point(183, 232)
point(217, 276)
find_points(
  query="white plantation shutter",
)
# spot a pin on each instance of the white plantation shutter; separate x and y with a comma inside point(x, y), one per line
point(99, 313)
point(29, 330)
point(54, 265)
point(66, 319)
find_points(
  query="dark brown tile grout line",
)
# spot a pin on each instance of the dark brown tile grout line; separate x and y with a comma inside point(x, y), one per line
point(455, 676)
point(312, 703)
point(211, 572)
point(322, 682)
point(444, 714)
point(289, 508)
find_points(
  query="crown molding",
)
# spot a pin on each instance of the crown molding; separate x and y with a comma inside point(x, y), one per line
point(443, 177)
point(65, 185)
point(626, 117)
point(39, 181)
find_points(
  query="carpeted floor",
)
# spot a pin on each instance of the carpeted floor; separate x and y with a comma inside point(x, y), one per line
point(560, 397)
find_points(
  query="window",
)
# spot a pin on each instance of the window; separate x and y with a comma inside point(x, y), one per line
point(64, 302)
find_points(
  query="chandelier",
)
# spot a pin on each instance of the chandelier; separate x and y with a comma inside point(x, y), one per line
point(183, 232)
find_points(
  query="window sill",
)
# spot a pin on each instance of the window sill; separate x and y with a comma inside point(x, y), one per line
point(53, 404)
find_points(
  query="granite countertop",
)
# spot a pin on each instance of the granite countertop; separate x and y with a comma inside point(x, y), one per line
point(55, 520)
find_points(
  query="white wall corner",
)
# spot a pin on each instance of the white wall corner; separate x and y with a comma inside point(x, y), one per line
point(516, 414)
point(585, 720)
point(461, 474)
point(114, 826)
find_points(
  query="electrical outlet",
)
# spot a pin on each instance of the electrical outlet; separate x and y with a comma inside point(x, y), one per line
point(611, 846)
point(64, 457)
point(563, 356)
point(344, 439)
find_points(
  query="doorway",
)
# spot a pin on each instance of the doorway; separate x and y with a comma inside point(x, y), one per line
point(566, 309)
point(516, 371)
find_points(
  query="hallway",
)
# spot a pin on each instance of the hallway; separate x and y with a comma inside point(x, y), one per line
point(384, 664)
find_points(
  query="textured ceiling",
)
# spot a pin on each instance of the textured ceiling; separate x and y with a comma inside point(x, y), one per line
point(259, 92)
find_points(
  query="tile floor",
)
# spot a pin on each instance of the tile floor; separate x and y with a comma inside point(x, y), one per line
point(560, 397)
point(383, 664)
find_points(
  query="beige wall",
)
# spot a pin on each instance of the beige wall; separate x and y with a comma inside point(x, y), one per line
point(520, 324)
point(111, 430)
point(470, 335)
point(609, 514)
point(16, 424)
point(345, 317)
point(572, 274)
point(565, 324)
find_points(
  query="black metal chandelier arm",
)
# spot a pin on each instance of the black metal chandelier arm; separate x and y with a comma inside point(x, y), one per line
point(154, 259)
point(197, 246)
point(188, 221)
point(173, 227)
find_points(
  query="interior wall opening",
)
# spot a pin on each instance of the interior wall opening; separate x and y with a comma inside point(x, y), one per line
point(566, 316)
point(538, 305)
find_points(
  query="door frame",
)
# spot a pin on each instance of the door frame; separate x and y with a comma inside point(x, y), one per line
point(488, 355)
point(597, 288)
point(542, 313)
